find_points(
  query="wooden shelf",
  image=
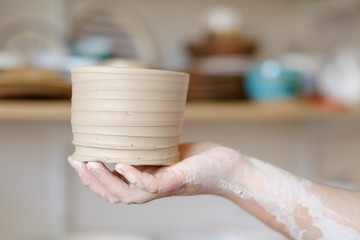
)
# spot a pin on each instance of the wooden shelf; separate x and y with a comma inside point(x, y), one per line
point(59, 110)
point(35, 110)
point(252, 111)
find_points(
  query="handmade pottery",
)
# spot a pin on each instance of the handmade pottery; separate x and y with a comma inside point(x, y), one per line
point(127, 115)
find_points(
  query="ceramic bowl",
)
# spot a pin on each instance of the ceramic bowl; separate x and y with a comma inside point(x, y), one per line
point(127, 115)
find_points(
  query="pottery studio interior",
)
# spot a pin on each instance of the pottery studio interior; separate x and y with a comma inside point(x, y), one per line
point(276, 80)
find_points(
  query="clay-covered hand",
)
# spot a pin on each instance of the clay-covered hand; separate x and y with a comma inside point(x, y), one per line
point(204, 167)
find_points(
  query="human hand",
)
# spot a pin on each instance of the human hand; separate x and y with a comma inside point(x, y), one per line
point(203, 168)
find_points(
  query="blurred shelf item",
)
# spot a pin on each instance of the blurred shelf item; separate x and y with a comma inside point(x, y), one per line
point(216, 87)
point(222, 44)
point(35, 110)
point(119, 30)
point(26, 36)
point(25, 83)
point(59, 110)
point(218, 77)
point(263, 111)
point(220, 59)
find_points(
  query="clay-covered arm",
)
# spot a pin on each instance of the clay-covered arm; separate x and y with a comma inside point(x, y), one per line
point(297, 207)
point(294, 206)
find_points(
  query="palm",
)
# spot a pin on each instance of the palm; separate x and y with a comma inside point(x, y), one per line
point(141, 184)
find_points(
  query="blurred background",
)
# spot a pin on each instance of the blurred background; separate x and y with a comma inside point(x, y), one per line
point(275, 79)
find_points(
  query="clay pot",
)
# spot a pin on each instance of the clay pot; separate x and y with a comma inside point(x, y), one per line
point(127, 115)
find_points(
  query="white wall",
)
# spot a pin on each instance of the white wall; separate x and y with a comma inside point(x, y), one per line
point(32, 178)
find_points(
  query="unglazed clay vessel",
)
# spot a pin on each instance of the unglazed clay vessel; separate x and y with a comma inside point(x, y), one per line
point(127, 115)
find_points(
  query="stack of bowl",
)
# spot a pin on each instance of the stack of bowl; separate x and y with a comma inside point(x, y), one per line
point(127, 115)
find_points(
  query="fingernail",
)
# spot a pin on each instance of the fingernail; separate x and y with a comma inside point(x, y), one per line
point(70, 160)
point(112, 200)
point(94, 165)
point(118, 169)
point(131, 178)
point(77, 167)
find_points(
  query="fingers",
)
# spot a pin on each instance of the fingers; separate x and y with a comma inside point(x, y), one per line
point(164, 181)
point(108, 185)
point(122, 190)
point(128, 184)
point(109, 180)
point(89, 180)
point(140, 179)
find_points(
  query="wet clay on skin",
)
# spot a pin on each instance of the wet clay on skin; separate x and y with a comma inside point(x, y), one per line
point(290, 200)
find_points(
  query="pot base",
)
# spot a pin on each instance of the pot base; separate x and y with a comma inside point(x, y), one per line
point(170, 160)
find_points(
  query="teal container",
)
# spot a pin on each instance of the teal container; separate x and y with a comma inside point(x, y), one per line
point(270, 80)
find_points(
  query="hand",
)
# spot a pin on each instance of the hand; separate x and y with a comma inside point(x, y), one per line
point(203, 168)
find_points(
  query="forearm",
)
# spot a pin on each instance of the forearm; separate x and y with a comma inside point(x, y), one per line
point(292, 205)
